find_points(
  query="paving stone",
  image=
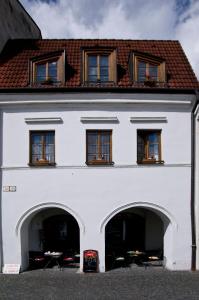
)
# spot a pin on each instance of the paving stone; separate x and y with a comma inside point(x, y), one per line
point(123, 283)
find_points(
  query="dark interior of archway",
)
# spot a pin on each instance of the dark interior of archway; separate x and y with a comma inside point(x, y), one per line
point(125, 232)
point(61, 233)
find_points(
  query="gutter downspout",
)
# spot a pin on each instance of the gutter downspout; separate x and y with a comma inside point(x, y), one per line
point(193, 144)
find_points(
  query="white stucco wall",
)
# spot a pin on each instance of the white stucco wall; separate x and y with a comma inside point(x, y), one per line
point(92, 194)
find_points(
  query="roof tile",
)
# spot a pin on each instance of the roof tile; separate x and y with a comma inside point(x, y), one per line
point(14, 60)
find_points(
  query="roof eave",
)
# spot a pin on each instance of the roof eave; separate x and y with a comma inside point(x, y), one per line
point(28, 90)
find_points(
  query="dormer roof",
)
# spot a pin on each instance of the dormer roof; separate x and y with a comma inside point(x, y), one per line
point(17, 55)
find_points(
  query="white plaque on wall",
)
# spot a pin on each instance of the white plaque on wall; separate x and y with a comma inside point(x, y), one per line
point(11, 269)
point(9, 188)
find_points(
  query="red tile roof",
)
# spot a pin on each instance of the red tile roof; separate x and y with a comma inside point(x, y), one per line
point(15, 61)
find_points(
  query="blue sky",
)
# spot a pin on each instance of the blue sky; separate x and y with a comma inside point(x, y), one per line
point(126, 19)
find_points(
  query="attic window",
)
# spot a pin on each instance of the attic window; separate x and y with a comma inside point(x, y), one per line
point(99, 66)
point(48, 70)
point(148, 70)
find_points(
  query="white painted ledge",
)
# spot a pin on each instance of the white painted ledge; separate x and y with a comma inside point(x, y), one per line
point(148, 119)
point(43, 120)
point(99, 120)
point(92, 101)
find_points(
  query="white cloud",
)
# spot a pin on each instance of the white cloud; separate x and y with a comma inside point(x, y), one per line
point(187, 33)
point(152, 19)
point(92, 18)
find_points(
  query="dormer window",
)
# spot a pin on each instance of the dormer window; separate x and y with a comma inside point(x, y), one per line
point(99, 66)
point(147, 69)
point(46, 72)
point(48, 69)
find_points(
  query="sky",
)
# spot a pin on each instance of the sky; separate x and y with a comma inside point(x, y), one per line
point(122, 19)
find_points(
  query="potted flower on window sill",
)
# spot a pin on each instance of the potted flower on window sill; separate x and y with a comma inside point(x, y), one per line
point(48, 81)
point(150, 82)
point(43, 161)
point(149, 161)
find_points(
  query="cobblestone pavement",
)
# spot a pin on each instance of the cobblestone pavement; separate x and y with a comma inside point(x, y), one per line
point(136, 283)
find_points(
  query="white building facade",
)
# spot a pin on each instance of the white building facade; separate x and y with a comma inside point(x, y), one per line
point(96, 151)
point(93, 195)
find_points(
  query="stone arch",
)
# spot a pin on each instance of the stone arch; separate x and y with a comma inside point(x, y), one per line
point(156, 208)
point(166, 217)
point(21, 229)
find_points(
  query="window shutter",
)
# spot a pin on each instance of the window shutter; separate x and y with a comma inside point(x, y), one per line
point(113, 66)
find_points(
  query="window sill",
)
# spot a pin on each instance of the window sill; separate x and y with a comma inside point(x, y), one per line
point(150, 162)
point(99, 83)
point(42, 164)
point(99, 163)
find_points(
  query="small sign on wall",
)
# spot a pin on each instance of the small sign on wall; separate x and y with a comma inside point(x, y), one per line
point(11, 269)
point(9, 188)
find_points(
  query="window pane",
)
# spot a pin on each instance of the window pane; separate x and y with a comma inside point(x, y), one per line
point(92, 60)
point(93, 152)
point(52, 71)
point(36, 148)
point(92, 68)
point(49, 147)
point(140, 147)
point(105, 138)
point(153, 137)
point(36, 138)
point(49, 138)
point(153, 72)
point(154, 151)
point(92, 71)
point(92, 147)
point(42, 147)
point(92, 78)
point(141, 71)
point(103, 61)
point(49, 152)
point(104, 69)
point(36, 153)
point(92, 74)
point(92, 138)
point(40, 73)
point(104, 73)
point(98, 146)
point(148, 145)
point(105, 146)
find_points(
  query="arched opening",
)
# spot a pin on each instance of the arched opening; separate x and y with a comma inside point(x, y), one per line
point(135, 236)
point(49, 230)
